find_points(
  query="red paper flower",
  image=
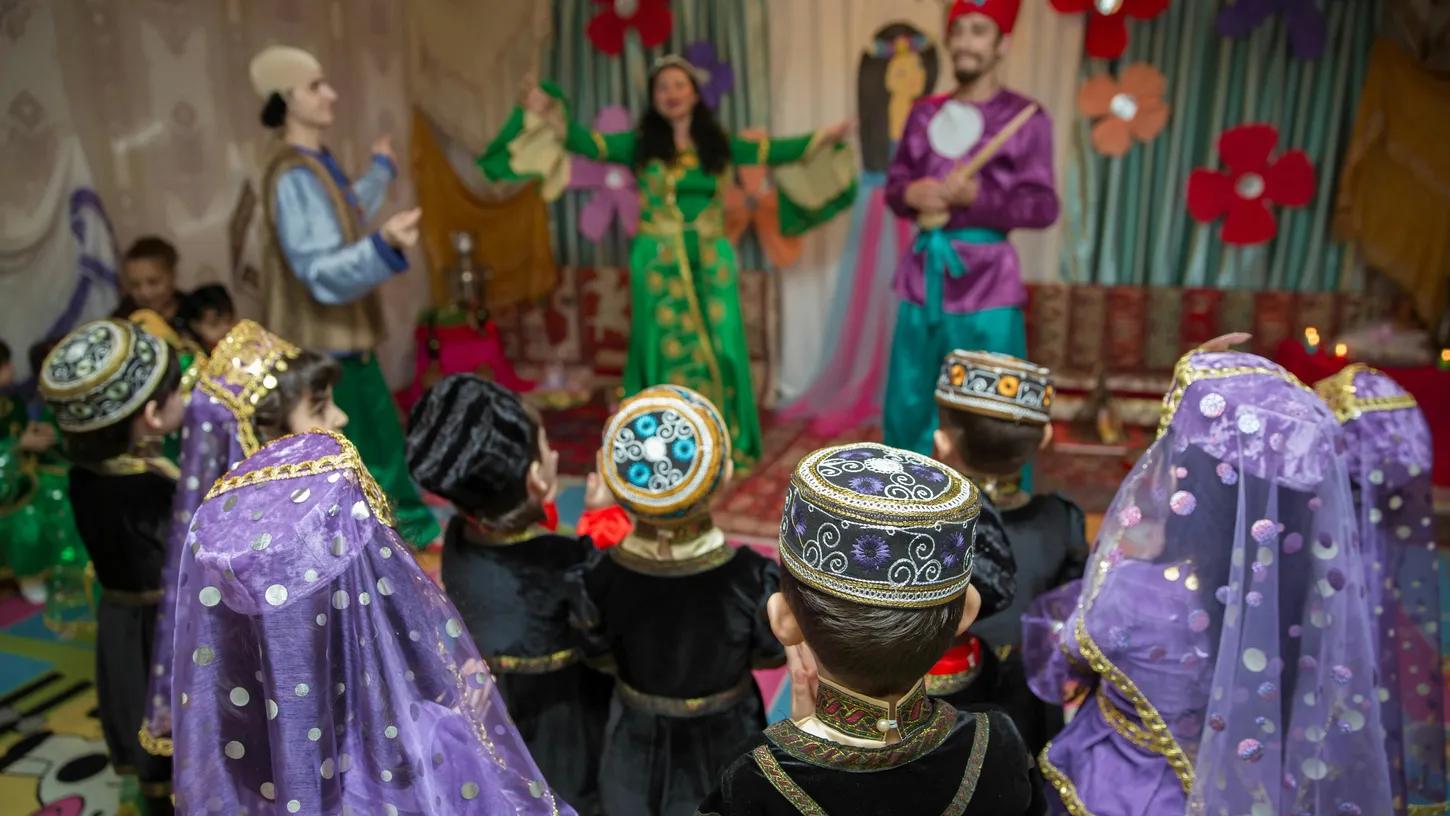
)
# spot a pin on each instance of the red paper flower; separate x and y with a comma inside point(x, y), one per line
point(1251, 182)
point(1107, 29)
point(651, 18)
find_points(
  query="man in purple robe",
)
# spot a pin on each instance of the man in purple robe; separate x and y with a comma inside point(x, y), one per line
point(960, 283)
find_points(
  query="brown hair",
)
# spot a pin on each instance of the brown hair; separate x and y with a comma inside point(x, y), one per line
point(874, 650)
point(988, 444)
point(155, 248)
point(309, 374)
point(94, 447)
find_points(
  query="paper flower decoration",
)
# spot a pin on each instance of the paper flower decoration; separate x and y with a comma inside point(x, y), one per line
point(1107, 28)
point(1251, 183)
point(615, 194)
point(650, 18)
point(1303, 20)
point(716, 77)
point(1127, 108)
point(752, 203)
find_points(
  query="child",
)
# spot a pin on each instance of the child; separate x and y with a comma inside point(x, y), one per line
point(22, 530)
point(148, 279)
point(113, 389)
point(995, 416)
point(478, 445)
point(680, 612)
point(207, 314)
point(877, 545)
point(318, 669)
point(255, 388)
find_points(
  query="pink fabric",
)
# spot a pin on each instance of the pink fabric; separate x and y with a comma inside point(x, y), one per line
point(864, 337)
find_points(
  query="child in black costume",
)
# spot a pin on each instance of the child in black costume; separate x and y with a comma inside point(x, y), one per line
point(478, 445)
point(995, 416)
point(679, 611)
point(877, 549)
point(113, 389)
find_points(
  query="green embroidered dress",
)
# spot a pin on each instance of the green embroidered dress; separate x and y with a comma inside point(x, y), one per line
point(686, 327)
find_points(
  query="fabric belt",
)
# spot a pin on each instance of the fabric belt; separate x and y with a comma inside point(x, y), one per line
point(544, 664)
point(940, 258)
point(684, 707)
point(121, 597)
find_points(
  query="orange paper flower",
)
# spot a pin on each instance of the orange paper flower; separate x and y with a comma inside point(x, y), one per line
point(1127, 108)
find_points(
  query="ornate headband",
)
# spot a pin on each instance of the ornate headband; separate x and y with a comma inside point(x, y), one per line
point(995, 385)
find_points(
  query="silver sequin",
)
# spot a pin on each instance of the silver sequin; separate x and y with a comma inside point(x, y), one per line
point(301, 690)
point(209, 596)
point(202, 656)
point(385, 587)
point(262, 541)
point(301, 495)
point(240, 697)
point(360, 510)
point(469, 790)
point(339, 599)
point(269, 791)
point(235, 750)
point(314, 734)
point(276, 594)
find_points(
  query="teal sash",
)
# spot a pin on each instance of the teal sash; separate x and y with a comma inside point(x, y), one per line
point(939, 259)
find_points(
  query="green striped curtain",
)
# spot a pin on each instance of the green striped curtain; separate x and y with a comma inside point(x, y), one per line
point(593, 81)
point(1126, 218)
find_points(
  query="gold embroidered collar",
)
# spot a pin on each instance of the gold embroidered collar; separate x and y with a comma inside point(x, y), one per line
point(863, 717)
point(1005, 491)
point(131, 465)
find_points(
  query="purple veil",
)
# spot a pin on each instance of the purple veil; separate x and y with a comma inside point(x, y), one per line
point(319, 670)
point(217, 433)
point(1389, 457)
point(1225, 616)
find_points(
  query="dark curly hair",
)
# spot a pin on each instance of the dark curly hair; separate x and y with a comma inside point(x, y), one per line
point(657, 137)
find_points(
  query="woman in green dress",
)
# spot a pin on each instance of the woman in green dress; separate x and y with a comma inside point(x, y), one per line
point(686, 327)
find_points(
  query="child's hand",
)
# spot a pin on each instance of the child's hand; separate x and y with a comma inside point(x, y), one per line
point(597, 495)
point(37, 437)
point(544, 477)
point(801, 663)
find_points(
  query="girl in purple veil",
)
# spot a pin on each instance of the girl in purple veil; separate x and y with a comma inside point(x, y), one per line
point(1389, 458)
point(255, 386)
point(319, 670)
point(1223, 629)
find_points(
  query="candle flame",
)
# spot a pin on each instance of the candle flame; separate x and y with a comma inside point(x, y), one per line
point(1341, 350)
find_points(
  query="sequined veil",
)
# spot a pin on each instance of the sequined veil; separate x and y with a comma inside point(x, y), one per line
point(1389, 456)
point(217, 433)
point(1224, 614)
point(319, 670)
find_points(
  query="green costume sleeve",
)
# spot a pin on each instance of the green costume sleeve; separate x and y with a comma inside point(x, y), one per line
point(814, 182)
point(529, 147)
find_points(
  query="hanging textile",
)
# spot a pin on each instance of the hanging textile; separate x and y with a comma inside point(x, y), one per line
point(510, 234)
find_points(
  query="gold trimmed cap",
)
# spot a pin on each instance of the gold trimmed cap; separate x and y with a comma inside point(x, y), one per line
point(879, 526)
point(665, 454)
point(101, 373)
point(995, 385)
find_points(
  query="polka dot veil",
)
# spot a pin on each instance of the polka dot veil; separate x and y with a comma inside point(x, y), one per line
point(1227, 605)
point(317, 669)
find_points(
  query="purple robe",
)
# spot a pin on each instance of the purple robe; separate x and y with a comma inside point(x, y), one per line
point(211, 443)
point(1017, 192)
point(318, 669)
point(1223, 628)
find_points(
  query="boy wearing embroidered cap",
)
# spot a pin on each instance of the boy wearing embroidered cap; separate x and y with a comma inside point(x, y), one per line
point(478, 445)
point(680, 612)
point(995, 414)
point(973, 165)
point(113, 389)
point(877, 545)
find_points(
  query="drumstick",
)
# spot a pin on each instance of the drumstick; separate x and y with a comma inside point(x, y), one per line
point(933, 220)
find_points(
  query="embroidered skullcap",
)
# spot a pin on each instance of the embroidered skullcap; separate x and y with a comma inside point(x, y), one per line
point(995, 385)
point(472, 441)
point(879, 526)
point(1002, 12)
point(665, 453)
point(101, 373)
point(280, 68)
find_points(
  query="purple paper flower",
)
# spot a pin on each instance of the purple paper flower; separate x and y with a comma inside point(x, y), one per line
point(615, 192)
point(1303, 20)
point(717, 77)
point(870, 551)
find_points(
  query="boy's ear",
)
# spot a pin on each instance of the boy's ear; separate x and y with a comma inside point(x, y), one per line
point(1046, 436)
point(942, 448)
point(972, 604)
point(150, 417)
point(783, 621)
